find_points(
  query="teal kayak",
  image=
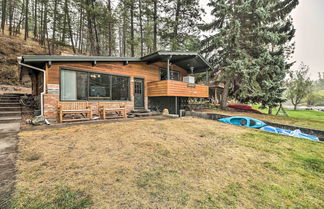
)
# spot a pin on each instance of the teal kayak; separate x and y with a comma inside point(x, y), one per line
point(243, 121)
point(254, 123)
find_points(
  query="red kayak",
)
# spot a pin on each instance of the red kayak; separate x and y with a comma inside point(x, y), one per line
point(246, 108)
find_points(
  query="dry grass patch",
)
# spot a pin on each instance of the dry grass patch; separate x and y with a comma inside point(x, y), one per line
point(174, 163)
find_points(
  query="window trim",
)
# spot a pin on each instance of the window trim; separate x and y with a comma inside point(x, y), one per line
point(88, 72)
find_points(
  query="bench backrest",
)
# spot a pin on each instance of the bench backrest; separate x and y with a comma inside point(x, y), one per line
point(111, 105)
point(73, 105)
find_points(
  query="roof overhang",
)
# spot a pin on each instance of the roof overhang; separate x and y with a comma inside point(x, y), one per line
point(185, 60)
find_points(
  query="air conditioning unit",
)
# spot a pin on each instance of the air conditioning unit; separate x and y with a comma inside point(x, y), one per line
point(189, 79)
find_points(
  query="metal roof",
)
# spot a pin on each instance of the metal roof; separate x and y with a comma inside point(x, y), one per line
point(185, 60)
point(48, 58)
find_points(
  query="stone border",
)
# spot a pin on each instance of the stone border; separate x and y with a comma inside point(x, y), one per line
point(215, 116)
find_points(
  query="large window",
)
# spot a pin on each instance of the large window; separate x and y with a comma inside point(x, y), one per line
point(82, 85)
point(174, 75)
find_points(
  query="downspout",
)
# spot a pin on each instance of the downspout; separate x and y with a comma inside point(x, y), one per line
point(44, 81)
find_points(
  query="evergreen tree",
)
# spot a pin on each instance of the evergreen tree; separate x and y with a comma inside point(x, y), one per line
point(258, 33)
point(180, 21)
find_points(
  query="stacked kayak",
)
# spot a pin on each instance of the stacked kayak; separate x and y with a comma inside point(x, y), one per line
point(254, 123)
point(295, 133)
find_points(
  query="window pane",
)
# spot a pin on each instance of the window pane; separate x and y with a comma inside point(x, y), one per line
point(99, 86)
point(82, 85)
point(68, 85)
point(120, 88)
point(174, 75)
point(73, 85)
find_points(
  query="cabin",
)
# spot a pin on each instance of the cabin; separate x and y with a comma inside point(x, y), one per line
point(159, 80)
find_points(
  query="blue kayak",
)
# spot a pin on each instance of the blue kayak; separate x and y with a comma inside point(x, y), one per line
point(295, 133)
point(243, 121)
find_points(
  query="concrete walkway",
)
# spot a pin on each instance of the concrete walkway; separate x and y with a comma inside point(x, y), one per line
point(10, 117)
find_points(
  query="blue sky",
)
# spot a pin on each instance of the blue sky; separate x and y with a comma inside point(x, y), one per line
point(309, 23)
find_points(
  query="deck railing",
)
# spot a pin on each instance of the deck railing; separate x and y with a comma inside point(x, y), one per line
point(176, 88)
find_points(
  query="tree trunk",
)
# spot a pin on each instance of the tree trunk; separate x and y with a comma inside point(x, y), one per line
point(141, 27)
point(295, 106)
point(95, 31)
point(223, 104)
point(174, 44)
point(44, 32)
point(70, 29)
point(90, 30)
point(26, 21)
point(110, 28)
point(64, 23)
point(11, 9)
point(54, 26)
point(3, 17)
point(155, 26)
point(80, 29)
point(132, 28)
point(124, 29)
point(270, 111)
point(35, 20)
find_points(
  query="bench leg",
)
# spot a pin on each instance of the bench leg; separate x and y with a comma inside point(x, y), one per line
point(104, 113)
point(125, 113)
point(61, 117)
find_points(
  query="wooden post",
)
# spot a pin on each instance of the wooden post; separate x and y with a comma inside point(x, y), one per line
point(168, 68)
point(207, 77)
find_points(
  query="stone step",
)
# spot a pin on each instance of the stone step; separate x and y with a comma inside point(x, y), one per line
point(5, 109)
point(10, 113)
point(9, 104)
point(5, 99)
point(140, 111)
point(13, 94)
point(10, 119)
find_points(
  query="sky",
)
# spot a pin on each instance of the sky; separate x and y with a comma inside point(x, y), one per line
point(309, 23)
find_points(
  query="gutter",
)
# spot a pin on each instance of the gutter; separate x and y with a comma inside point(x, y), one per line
point(44, 81)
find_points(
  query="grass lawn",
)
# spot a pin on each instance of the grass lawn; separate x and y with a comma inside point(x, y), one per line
point(170, 163)
point(302, 118)
point(310, 115)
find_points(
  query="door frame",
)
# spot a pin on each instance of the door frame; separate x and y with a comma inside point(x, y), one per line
point(143, 87)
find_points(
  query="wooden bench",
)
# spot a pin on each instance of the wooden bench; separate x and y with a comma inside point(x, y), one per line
point(81, 108)
point(117, 110)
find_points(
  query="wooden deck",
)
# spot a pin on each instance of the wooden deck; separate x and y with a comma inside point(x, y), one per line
point(176, 88)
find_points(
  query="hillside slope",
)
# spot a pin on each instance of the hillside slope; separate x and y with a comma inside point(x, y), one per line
point(12, 47)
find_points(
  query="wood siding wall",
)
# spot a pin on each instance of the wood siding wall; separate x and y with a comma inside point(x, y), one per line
point(149, 73)
point(177, 88)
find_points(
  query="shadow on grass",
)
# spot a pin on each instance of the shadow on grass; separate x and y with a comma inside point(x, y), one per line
point(61, 197)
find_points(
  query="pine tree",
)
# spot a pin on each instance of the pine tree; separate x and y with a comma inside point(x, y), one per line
point(180, 23)
point(250, 45)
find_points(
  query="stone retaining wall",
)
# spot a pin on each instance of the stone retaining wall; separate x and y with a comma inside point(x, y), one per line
point(215, 116)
